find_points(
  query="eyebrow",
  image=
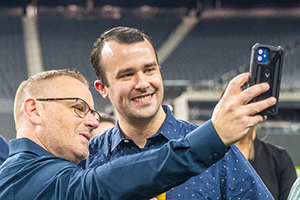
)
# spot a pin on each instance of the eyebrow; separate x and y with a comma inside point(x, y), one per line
point(150, 65)
point(123, 71)
point(131, 68)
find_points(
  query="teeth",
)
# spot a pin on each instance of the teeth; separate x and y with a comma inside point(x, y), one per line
point(142, 98)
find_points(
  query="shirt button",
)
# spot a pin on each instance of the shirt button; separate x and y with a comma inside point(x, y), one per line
point(126, 141)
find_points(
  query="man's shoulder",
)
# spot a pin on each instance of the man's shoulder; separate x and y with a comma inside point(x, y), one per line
point(28, 163)
point(172, 121)
point(234, 155)
point(20, 172)
point(179, 124)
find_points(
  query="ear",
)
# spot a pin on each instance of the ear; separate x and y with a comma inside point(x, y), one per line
point(101, 89)
point(31, 111)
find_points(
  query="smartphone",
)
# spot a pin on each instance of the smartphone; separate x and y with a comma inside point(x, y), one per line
point(266, 66)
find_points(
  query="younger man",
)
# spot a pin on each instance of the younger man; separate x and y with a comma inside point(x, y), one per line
point(129, 75)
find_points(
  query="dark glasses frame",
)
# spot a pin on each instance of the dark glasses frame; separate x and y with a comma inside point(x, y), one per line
point(78, 111)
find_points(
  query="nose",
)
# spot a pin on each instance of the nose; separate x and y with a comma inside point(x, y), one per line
point(91, 121)
point(142, 82)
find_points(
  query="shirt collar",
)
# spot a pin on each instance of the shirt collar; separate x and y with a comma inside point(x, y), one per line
point(170, 121)
point(117, 136)
point(25, 144)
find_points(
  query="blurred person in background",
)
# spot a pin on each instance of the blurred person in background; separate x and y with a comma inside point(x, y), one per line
point(54, 118)
point(272, 163)
point(3, 149)
point(107, 121)
point(295, 191)
point(129, 75)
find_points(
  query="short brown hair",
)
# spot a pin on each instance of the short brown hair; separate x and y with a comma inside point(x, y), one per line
point(122, 35)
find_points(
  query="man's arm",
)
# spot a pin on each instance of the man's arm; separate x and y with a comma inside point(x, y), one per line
point(140, 176)
point(147, 174)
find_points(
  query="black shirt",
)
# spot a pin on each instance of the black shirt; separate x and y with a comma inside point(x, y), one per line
point(275, 167)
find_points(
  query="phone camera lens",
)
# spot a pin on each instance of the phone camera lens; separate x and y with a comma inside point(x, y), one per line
point(259, 58)
point(262, 55)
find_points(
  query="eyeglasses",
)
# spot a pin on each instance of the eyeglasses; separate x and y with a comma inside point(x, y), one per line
point(81, 107)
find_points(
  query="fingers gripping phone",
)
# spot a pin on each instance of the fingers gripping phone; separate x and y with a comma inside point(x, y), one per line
point(266, 66)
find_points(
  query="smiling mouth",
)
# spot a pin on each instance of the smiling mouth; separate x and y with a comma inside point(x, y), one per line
point(144, 98)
